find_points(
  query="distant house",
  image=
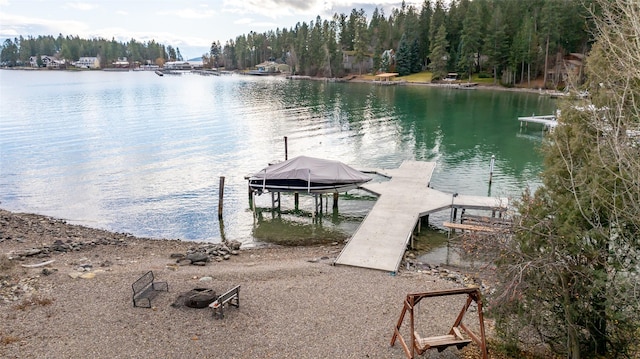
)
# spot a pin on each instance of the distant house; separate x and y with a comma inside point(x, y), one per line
point(265, 68)
point(350, 63)
point(573, 64)
point(566, 68)
point(268, 66)
point(122, 63)
point(451, 77)
point(33, 61)
point(47, 61)
point(88, 63)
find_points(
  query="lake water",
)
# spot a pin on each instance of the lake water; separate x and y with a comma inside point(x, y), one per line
point(142, 154)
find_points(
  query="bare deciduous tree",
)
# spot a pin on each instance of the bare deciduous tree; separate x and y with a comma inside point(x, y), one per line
point(570, 273)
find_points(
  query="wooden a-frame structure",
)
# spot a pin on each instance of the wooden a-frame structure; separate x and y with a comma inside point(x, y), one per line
point(454, 338)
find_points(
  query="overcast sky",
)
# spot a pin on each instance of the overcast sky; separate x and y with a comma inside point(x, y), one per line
point(189, 25)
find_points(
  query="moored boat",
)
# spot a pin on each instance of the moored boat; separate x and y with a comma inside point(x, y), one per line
point(307, 174)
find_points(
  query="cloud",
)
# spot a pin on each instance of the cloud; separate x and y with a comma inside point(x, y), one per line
point(81, 6)
point(307, 10)
point(274, 8)
point(15, 25)
point(194, 14)
point(168, 38)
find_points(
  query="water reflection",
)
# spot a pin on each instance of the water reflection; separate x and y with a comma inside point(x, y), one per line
point(139, 153)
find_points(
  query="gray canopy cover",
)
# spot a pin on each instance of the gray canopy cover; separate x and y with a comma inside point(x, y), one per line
point(315, 169)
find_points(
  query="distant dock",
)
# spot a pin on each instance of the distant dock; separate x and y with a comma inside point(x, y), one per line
point(548, 121)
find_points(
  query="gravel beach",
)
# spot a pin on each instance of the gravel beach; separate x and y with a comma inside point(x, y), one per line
point(293, 302)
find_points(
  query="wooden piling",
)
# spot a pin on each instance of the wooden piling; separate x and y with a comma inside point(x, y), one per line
point(493, 160)
point(286, 150)
point(220, 197)
point(335, 200)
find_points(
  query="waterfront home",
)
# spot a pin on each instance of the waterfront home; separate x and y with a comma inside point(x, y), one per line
point(46, 61)
point(350, 62)
point(121, 63)
point(88, 63)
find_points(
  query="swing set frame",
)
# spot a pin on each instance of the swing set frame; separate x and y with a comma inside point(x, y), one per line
point(454, 337)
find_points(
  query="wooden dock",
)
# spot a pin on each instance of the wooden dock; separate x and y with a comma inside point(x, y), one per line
point(549, 121)
point(383, 236)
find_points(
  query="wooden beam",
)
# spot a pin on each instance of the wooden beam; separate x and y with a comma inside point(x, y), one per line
point(469, 227)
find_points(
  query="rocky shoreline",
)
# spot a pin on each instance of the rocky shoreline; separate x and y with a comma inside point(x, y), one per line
point(76, 281)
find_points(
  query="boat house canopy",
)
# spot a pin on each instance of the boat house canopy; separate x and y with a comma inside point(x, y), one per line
point(308, 173)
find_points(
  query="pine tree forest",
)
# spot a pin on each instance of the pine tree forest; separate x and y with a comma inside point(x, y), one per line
point(511, 41)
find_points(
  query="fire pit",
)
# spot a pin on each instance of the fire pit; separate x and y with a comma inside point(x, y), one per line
point(196, 298)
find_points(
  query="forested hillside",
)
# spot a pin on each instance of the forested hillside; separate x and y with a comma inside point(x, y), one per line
point(71, 48)
point(509, 40)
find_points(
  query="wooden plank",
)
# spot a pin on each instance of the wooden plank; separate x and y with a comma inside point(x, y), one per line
point(484, 220)
point(440, 341)
point(469, 227)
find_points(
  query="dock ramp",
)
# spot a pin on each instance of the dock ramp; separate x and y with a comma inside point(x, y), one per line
point(382, 238)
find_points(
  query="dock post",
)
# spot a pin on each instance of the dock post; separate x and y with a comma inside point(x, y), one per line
point(493, 160)
point(223, 237)
point(453, 197)
point(286, 150)
point(275, 200)
point(315, 206)
point(220, 197)
point(451, 216)
point(335, 200)
point(296, 200)
point(326, 203)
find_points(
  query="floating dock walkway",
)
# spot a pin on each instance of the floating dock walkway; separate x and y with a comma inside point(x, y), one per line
point(549, 121)
point(383, 236)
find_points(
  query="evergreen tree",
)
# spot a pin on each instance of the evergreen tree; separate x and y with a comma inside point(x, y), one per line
point(229, 55)
point(300, 48)
point(361, 40)
point(439, 54)
point(214, 53)
point(9, 53)
point(424, 22)
point(385, 62)
point(171, 53)
point(496, 47)
point(317, 54)
point(416, 60)
point(333, 56)
point(437, 20)
point(403, 57)
point(470, 41)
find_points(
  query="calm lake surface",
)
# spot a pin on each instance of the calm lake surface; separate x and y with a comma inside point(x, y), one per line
point(142, 154)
